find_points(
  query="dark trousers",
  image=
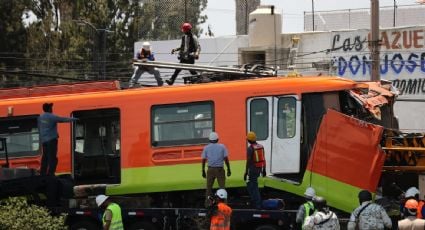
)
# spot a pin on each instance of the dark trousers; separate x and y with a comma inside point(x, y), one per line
point(177, 71)
point(252, 187)
point(49, 160)
point(212, 174)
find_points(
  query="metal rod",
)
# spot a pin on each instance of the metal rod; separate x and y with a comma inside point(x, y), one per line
point(375, 73)
point(312, 9)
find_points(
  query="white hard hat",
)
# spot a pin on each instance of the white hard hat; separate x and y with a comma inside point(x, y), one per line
point(213, 136)
point(411, 192)
point(310, 192)
point(146, 46)
point(100, 199)
point(221, 193)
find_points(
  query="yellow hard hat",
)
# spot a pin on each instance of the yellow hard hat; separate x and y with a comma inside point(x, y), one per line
point(251, 136)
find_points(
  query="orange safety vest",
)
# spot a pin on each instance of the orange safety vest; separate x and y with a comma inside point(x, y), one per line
point(419, 209)
point(221, 219)
point(258, 156)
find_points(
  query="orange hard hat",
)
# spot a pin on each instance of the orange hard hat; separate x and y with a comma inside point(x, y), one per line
point(411, 204)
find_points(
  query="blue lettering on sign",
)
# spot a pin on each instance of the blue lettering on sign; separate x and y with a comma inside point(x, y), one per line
point(361, 64)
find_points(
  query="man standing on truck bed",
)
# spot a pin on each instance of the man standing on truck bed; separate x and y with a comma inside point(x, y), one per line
point(215, 154)
point(306, 209)
point(255, 165)
point(47, 127)
point(219, 212)
point(111, 219)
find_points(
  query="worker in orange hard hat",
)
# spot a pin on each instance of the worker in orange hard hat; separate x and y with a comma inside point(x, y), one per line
point(255, 165)
point(188, 51)
point(410, 212)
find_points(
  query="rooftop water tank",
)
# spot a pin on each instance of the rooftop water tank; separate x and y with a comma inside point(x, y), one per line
point(265, 27)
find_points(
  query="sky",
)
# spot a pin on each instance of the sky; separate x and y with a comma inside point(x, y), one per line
point(221, 13)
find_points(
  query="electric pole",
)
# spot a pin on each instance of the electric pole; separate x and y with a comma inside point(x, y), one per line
point(375, 44)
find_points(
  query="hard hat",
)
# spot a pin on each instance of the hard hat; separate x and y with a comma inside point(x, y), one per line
point(411, 204)
point(213, 136)
point(100, 199)
point(411, 192)
point(146, 46)
point(251, 136)
point(319, 202)
point(365, 195)
point(186, 27)
point(221, 193)
point(310, 192)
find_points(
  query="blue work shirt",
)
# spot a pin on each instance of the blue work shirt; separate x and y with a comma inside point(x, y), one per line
point(47, 126)
point(215, 154)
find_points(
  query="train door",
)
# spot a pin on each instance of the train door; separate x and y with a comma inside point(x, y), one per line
point(96, 146)
point(276, 121)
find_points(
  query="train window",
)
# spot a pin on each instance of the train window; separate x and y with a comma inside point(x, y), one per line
point(182, 124)
point(286, 117)
point(259, 118)
point(21, 135)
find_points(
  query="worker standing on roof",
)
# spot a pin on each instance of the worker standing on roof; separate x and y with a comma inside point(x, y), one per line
point(306, 209)
point(411, 221)
point(145, 54)
point(413, 193)
point(219, 212)
point(111, 219)
point(188, 51)
point(255, 165)
point(368, 216)
point(323, 218)
point(48, 129)
point(216, 154)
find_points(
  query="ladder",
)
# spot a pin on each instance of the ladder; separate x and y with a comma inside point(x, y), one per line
point(212, 73)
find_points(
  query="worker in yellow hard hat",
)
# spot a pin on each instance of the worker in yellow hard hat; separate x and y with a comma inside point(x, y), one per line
point(255, 165)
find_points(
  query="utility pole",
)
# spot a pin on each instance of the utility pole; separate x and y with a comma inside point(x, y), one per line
point(312, 10)
point(375, 44)
point(394, 12)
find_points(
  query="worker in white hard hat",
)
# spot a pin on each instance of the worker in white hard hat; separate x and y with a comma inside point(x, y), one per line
point(219, 212)
point(306, 209)
point(413, 193)
point(111, 219)
point(216, 155)
point(145, 54)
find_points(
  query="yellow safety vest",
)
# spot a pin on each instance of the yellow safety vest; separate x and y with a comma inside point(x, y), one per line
point(116, 222)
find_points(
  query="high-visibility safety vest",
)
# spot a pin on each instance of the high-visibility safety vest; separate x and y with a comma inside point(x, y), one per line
point(309, 209)
point(258, 156)
point(419, 209)
point(116, 222)
point(221, 220)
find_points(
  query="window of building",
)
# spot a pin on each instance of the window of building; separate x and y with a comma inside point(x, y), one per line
point(286, 117)
point(21, 135)
point(259, 118)
point(181, 124)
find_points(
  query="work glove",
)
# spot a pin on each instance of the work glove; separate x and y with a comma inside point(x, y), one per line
point(196, 56)
point(229, 172)
point(264, 172)
point(244, 176)
point(204, 175)
point(172, 51)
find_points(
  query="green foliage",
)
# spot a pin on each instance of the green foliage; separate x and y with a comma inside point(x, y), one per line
point(17, 214)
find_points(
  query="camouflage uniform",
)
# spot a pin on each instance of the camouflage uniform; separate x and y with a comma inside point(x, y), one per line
point(372, 217)
point(321, 220)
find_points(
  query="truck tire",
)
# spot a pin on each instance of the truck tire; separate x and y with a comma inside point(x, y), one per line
point(84, 225)
point(142, 225)
point(267, 227)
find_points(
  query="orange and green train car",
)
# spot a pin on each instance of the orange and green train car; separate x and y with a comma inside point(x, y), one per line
point(323, 132)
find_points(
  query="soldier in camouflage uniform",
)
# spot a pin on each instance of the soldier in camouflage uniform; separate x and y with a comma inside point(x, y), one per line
point(368, 215)
point(323, 218)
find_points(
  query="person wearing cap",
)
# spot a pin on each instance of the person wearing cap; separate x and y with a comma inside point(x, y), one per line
point(145, 54)
point(411, 222)
point(111, 219)
point(255, 165)
point(306, 209)
point(48, 129)
point(216, 155)
point(219, 212)
point(188, 51)
point(323, 218)
point(413, 193)
point(368, 215)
